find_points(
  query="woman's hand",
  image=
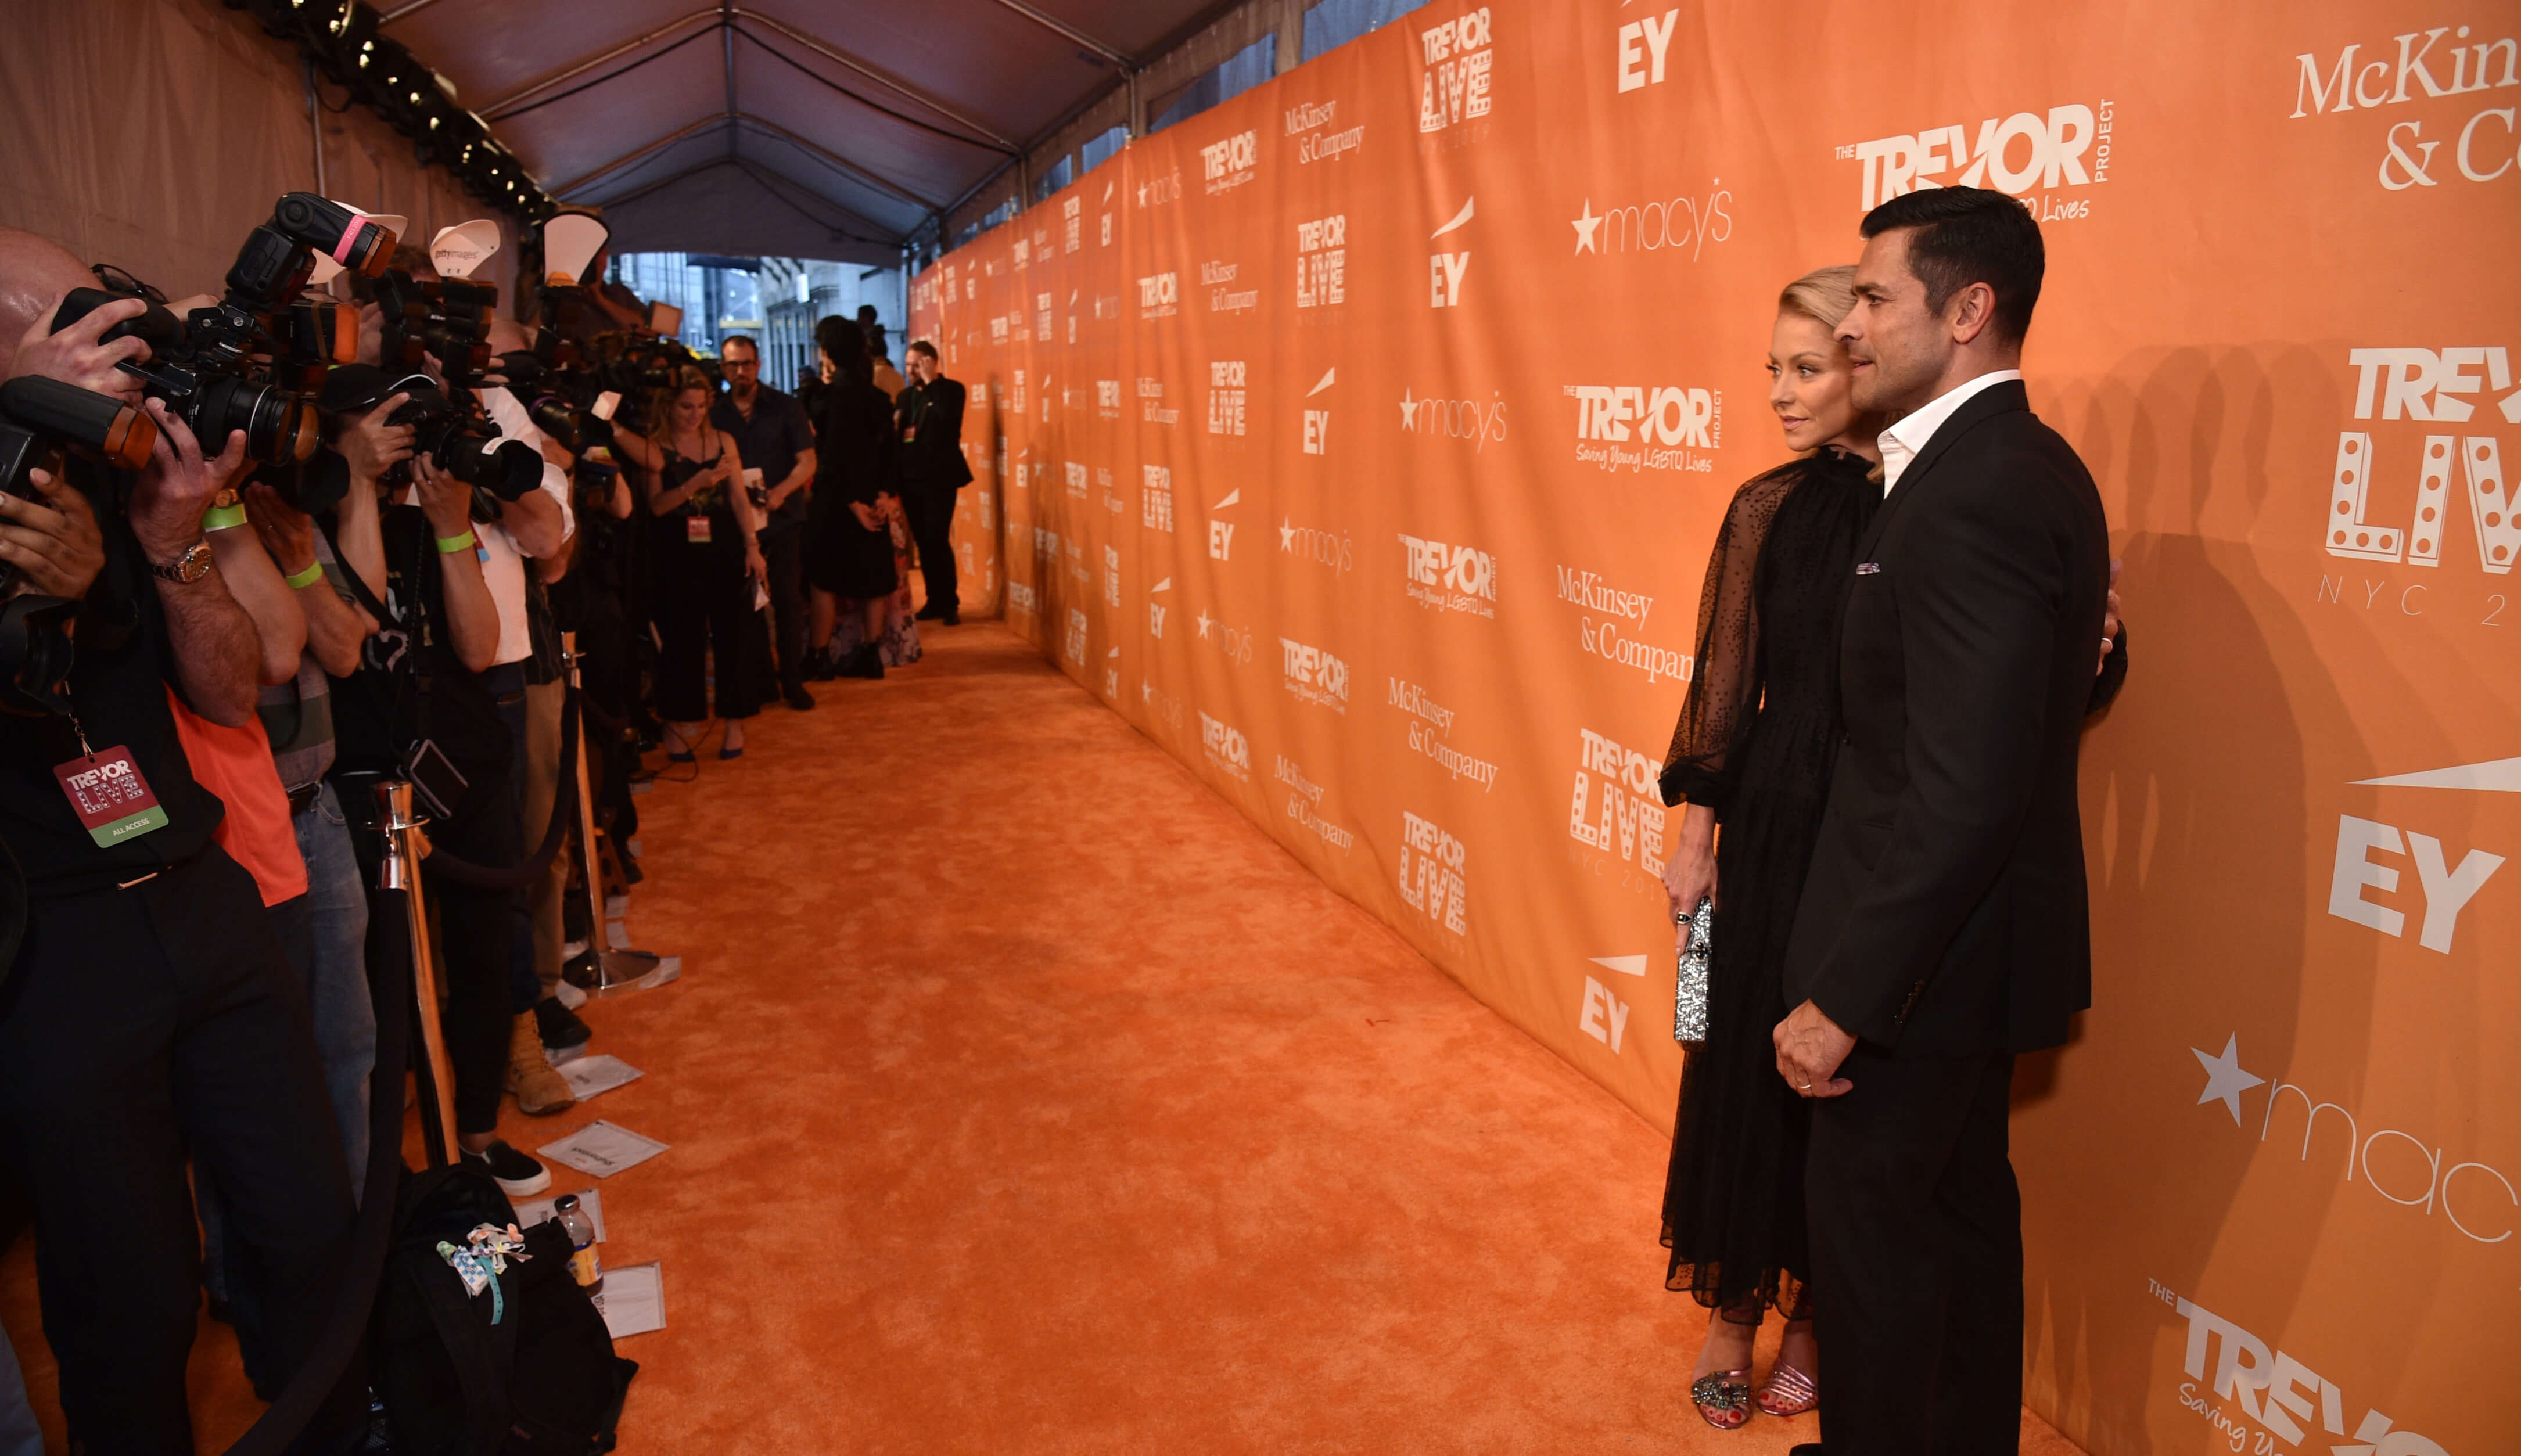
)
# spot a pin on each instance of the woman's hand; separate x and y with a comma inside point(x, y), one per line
point(446, 501)
point(866, 515)
point(754, 565)
point(1690, 874)
point(371, 445)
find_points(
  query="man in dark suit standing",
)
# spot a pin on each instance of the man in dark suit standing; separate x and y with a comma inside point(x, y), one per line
point(932, 469)
point(1944, 926)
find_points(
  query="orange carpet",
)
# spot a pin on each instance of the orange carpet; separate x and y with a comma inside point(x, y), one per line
point(1026, 1098)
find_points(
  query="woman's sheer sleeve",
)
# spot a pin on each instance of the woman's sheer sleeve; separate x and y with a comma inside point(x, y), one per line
point(1724, 678)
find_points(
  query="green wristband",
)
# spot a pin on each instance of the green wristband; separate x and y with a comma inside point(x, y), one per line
point(223, 518)
point(313, 573)
point(450, 545)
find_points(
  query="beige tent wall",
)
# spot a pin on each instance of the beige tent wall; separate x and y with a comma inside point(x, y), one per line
point(155, 134)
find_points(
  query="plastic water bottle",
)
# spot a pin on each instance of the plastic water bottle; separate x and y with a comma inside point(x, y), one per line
point(585, 1265)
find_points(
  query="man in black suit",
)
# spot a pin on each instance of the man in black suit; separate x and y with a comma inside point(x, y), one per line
point(932, 469)
point(1944, 925)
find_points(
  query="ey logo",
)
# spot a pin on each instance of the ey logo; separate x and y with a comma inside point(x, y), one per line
point(1444, 270)
point(1220, 534)
point(1317, 422)
point(1642, 44)
point(1156, 610)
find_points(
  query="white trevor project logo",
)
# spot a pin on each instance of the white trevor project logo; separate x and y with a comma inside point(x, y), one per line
point(1636, 428)
point(1020, 598)
point(1444, 270)
point(2273, 1390)
point(1077, 636)
point(1072, 222)
point(1449, 578)
point(1317, 422)
point(1107, 398)
point(1076, 471)
point(1220, 534)
point(1314, 675)
point(1231, 162)
point(2068, 145)
point(1305, 805)
point(1043, 328)
point(1321, 261)
point(1111, 577)
point(1431, 873)
point(1227, 750)
point(1158, 295)
point(1156, 497)
point(1657, 225)
point(2482, 149)
point(1618, 807)
point(1315, 124)
point(2432, 386)
point(1226, 396)
point(1454, 87)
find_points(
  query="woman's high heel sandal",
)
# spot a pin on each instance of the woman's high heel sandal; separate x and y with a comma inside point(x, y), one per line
point(1723, 1398)
point(1788, 1392)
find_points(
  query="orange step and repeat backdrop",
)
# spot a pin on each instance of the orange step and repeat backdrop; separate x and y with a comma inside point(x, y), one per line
point(1360, 441)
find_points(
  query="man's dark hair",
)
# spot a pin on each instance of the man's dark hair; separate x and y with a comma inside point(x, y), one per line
point(1967, 235)
point(922, 346)
point(841, 339)
point(743, 338)
point(866, 313)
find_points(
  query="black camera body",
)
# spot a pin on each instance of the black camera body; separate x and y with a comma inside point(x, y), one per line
point(453, 435)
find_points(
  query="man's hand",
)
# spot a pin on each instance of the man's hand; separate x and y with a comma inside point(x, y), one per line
point(370, 444)
point(866, 515)
point(1809, 1049)
point(754, 565)
point(2110, 623)
point(75, 357)
point(56, 548)
point(177, 486)
point(286, 531)
point(446, 501)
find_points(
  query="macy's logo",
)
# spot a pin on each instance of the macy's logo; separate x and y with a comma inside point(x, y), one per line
point(2227, 1082)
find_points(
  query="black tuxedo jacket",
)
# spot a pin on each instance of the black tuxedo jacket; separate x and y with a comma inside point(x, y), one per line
point(935, 410)
point(1944, 913)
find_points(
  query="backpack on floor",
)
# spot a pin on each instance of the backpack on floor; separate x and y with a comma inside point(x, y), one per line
point(541, 1380)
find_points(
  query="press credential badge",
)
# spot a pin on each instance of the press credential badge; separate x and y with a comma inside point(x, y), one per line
point(111, 797)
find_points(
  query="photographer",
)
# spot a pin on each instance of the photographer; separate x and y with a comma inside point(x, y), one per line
point(427, 697)
point(150, 1011)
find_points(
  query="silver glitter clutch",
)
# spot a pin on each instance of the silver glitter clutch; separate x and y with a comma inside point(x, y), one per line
point(1689, 990)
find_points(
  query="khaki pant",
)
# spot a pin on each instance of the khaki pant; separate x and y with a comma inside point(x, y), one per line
point(543, 763)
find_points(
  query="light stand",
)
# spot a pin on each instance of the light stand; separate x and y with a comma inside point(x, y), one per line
point(401, 871)
point(616, 972)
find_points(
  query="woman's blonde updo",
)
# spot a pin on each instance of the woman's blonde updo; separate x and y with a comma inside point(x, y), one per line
point(1825, 294)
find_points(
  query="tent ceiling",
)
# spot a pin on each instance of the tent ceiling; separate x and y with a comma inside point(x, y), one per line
point(764, 127)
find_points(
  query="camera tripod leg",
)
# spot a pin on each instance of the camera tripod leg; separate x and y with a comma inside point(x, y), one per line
point(401, 871)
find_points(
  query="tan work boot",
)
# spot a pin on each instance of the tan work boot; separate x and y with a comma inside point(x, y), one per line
point(540, 1091)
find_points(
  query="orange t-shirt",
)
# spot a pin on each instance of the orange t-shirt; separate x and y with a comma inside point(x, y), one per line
point(235, 763)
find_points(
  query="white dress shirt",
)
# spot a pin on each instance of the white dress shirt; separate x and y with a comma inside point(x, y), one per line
point(1904, 441)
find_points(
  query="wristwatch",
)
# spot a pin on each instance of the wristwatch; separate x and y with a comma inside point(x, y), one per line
point(188, 567)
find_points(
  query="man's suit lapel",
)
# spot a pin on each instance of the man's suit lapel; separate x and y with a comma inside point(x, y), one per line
point(1987, 404)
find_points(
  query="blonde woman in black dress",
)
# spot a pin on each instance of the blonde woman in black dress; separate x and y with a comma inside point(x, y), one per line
point(1753, 752)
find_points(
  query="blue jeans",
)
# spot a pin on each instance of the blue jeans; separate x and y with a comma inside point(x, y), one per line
point(20, 1436)
point(337, 981)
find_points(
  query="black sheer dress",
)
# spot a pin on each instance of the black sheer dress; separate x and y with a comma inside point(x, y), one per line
point(1756, 743)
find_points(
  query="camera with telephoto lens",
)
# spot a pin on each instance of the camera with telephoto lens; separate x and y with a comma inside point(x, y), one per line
point(239, 364)
point(445, 319)
point(39, 417)
point(453, 435)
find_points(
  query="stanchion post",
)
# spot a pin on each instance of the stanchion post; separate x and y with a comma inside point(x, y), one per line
point(615, 970)
point(401, 871)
